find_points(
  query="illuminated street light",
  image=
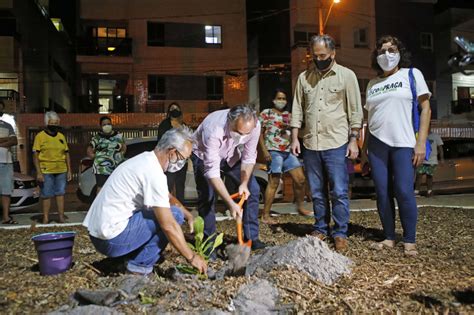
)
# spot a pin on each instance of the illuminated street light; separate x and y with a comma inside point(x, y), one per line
point(320, 11)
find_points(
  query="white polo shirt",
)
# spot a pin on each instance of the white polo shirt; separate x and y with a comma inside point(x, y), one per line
point(135, 184)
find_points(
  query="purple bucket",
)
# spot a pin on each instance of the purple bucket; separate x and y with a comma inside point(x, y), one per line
point(54, 251)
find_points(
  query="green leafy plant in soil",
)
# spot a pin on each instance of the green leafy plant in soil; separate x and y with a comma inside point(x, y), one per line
point(202, 247)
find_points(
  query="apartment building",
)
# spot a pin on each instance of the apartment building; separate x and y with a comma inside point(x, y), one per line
point(139, 56)
point(36, 58)
point(350, 23)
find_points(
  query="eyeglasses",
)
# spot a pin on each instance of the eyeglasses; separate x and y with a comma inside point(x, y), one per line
point(179, 157)
point(390, 50)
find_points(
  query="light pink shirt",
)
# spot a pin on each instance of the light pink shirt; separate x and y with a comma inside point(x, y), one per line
point(213, 143)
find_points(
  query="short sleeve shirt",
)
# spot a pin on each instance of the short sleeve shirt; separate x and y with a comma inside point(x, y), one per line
point(108, 152)
point(276, 129)
point(137, 184)
point(389, 103)
point(6, 130)
point(435, 141)
point(51, 152)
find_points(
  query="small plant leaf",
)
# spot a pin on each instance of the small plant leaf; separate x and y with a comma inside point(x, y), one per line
point(187, 269)
point(198, 226)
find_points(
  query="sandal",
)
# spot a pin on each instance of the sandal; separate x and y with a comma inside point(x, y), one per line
point(409, 249)
point(10, 221)
point(305, 213)
point(269, 221)
point(383, 245)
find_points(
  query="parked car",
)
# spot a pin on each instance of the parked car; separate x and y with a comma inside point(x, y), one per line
point(456, 174)
point(25, 192)
point(87, 188)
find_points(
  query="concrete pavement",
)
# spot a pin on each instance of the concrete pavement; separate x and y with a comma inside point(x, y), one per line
point(78, 211)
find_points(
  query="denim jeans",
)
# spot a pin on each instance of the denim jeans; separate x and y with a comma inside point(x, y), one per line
point(393, 175)
point(207, 198)
point(142, 241)
point(323, 168)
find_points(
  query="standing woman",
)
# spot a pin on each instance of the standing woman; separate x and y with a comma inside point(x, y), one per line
point(394, 151)
point(107, 148)
point(274, 142)
point(53, 165)
point(176, 178)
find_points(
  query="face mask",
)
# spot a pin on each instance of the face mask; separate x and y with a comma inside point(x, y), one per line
point(237, 137)
point(279, 104)
point(174, 167)
point(388, 61)
point(53, 128)
point(107, 128)
point(175, 113)
point(323, 64)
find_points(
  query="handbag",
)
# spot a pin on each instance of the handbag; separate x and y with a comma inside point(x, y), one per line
point(416, 112)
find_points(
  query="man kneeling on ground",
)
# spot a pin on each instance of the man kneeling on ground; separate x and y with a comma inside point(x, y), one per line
point(132, 215)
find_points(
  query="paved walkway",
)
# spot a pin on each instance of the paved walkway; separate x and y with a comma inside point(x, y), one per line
point(465, 201)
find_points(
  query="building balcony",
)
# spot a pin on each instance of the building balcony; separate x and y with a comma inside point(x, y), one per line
point(97, 46)
point(113, 104)
point(11, 98)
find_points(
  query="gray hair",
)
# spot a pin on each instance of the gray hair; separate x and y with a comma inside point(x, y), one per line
point(175, 138)
point(244, 111)
point(327, 40)
point(50, 115)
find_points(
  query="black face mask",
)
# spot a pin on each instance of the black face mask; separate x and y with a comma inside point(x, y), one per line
point(54, 129)
point(323, 64)
point(175, 113)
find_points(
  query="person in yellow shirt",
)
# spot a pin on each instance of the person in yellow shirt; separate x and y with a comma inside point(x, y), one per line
point(53, 165)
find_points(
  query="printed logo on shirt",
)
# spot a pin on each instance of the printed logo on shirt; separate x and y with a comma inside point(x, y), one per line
point(384, 89)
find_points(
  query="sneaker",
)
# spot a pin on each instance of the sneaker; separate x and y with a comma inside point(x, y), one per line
point(340, 243)
point(257, 244)
point(417, 192)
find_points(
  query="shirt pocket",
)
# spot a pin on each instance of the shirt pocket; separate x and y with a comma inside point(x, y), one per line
point(335, 95)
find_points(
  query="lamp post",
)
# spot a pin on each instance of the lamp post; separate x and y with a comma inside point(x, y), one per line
point(320, 14)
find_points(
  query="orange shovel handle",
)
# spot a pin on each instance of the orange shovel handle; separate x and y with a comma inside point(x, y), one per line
point(238, 221)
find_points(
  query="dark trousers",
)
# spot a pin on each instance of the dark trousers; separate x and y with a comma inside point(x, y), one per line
point(207, 197)
point(393, 172)
point(177, 182)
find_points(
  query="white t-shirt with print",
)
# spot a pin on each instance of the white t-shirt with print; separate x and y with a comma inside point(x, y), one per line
point(389, 103)
point(135, 184)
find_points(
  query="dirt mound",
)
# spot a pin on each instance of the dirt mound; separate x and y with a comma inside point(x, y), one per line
point(307, 254)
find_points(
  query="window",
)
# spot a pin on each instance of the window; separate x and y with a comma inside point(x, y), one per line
point(156, 87)
point(184, 35)
point(156, 34)
point(426, 41)
point(215, 88)
point(109, 32)
point(361, 38)
point(213, 34)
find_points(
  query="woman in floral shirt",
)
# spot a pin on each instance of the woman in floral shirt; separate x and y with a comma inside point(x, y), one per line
point(275, 145)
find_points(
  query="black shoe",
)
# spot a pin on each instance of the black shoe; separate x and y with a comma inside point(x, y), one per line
point(257, 244)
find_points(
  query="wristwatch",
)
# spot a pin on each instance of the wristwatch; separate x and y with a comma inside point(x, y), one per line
point(354, 135)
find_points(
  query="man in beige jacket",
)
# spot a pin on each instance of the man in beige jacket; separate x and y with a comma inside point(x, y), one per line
point(327, 110)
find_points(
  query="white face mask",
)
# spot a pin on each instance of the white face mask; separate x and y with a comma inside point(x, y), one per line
point(174, 167)
point(388, 61)
point(279, 104)
point(237, 137)
point(107, 128)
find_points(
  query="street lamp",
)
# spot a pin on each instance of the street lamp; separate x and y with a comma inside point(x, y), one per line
point(320, 11)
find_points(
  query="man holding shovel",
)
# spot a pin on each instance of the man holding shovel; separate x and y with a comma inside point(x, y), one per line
point(226, 142)
point(132, 216)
